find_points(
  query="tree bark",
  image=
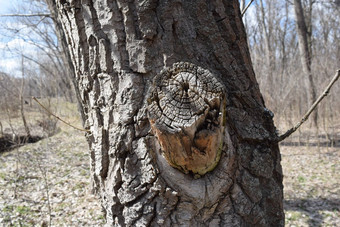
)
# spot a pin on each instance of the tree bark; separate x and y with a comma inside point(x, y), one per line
point(306, 56)
point(122, 50)
point(67, 60)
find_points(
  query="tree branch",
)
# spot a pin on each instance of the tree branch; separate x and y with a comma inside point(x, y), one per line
point(305, 117)
point(80, 129)
point(27, 15)
point(245, 9)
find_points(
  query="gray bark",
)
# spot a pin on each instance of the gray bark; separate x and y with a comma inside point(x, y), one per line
point(67, 60)
point(118, 48)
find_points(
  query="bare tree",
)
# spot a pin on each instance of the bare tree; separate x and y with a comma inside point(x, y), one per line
point(287, 92)
point(47, 57)
point(179, 134)
point(266, 20)
point(21, 98)
point(304, 35)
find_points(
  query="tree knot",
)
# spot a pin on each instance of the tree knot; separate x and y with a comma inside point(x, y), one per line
point(186, 112)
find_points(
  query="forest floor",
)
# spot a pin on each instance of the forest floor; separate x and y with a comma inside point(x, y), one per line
point(311, 185)
point(48, 183)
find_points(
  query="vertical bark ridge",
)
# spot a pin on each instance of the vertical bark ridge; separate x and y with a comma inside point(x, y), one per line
point(102, 42)
point(88, 29)
point(82, 46)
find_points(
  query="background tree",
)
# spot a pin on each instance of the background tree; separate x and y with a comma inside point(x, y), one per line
point(117, 49)
point(47, 75)
point(304, 31)
point(37, 43)
point(287, 93)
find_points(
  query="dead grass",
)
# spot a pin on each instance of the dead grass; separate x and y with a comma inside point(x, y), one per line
point(48, 182)
point(312, 185)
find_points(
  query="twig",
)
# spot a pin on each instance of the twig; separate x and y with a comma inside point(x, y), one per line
point(80, 129)
point(1, 130)
point(305, 117)
point(27, 15)
point(245, 9)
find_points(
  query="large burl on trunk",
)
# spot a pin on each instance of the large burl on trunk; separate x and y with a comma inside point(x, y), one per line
point(179, 134)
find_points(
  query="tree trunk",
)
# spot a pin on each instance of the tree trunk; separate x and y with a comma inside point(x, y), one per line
point(67, 60)
point(267, 30)
point(306, 56)
point(151, 120)
point(21, 99)
point(242, 5)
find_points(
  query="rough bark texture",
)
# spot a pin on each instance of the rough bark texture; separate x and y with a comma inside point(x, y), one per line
point(118, 47)
point(66, 55)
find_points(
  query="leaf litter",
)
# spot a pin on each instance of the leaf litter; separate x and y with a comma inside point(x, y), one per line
point(48, 182)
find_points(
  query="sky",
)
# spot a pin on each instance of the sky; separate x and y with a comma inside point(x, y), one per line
point(13, 44)
point(5, 6)
point(8, 63)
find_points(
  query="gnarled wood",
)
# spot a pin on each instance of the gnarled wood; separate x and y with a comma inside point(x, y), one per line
point(186, 112)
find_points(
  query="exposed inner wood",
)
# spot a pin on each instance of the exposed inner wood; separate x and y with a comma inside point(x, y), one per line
point(186, 113)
